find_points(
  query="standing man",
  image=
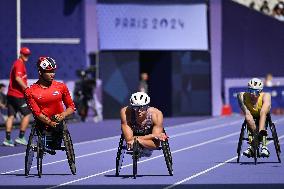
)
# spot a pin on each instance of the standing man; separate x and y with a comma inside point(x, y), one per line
point(143, 85)
point(16, 99)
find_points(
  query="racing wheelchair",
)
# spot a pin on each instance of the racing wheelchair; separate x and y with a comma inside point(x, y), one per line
point(42, 141)
point(136, 153)
point(256, 141)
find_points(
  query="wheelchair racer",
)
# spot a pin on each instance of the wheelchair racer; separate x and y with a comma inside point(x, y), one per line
point(143, 123)
point(45, 98)
point(255, 105)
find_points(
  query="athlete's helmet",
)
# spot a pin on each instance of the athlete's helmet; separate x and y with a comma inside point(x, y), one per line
point(255, 84)
point(139, 99)
point(25, 51)
point(46, 64)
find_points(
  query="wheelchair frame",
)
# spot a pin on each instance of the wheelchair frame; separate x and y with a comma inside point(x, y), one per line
point(37, 143)
point(122, 148)
point(256, 142)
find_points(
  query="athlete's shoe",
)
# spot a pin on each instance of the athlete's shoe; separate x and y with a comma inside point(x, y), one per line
point(21, 141)
point(8, 142)
point(249, 152)
point(264, 152)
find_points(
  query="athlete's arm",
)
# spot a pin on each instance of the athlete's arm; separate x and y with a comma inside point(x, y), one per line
point(157, 131)
point(266, 105)
point(243, 107)
point(69, 104)
point(126, 129)
point(21, 82)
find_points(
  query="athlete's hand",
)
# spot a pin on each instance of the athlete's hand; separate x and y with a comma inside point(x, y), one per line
point(58, 117)
point(130, 144)
point(161, 136)
point(53, 124)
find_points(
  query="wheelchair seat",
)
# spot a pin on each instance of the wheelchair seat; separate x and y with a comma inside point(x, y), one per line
point(136, 155)
point(272, 136)
point(42, 141)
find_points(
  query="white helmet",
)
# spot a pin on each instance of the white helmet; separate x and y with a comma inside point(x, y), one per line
point(255, 84)
point(139, 99)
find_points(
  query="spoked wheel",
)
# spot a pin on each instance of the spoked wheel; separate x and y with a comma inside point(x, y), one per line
point(31, 147)
point(167, 155)
point(240, 143)
point(69, 151)
point(135, 157)
point(39, 156)
point(276, 141)
point(120, 155)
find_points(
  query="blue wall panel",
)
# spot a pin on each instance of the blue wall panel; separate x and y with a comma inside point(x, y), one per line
point(7, 36)
point(253, 43)
point(44, 19)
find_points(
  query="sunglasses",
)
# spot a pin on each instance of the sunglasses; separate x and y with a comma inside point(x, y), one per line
point(254, 91)
point(141, 108)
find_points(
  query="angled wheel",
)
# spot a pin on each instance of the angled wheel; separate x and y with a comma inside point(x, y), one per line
point(39, 156)
point(135, 157)
point(69, 151)
point(31, 147)
point(275, 141)
point(167, 155)
point(240, 143)
point(120, 155)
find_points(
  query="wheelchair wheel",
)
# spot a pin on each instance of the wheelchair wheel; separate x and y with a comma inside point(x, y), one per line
point(39, 156)
point(31, 147)
point(167, 155)
point(240, 143)
point(135, 157)
point(276, 141)
point(255, 145)
point(69, 151)
point(119, 155)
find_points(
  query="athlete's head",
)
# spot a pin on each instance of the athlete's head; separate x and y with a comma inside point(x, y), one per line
point(139, 101)
point(46, 68)
point(255, 86)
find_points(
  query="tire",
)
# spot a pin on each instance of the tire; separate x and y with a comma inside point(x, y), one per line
point(168, 158)
point(39, 156)
point(135, 157)
point(29, 152)
point(276, 141)
point(69, 151)
point(240, 143)
point(119, 156)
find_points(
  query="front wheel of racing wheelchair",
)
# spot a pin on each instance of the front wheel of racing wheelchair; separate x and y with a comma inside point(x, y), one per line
point(122, 149)
point(41, 142)
point(256, 141)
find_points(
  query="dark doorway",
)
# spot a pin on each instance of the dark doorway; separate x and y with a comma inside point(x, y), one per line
point(158, 66)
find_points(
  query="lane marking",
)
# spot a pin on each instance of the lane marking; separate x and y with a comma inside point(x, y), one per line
point(117, 137)
point(95, 153)
point(209, 169)
point(149, 159)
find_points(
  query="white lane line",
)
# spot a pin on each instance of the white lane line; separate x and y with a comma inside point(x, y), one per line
point(95, 153)
point(59, 161)
point(173, 152)
point(209, 169)
point(117, 137)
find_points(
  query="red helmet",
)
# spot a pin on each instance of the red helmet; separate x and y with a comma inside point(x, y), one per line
point(25, 51)
point(46, 63)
